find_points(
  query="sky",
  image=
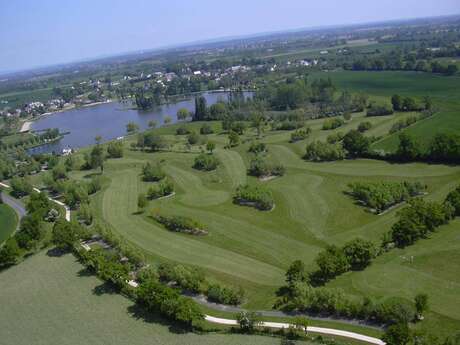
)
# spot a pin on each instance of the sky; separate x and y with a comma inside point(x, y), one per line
point(37, 33)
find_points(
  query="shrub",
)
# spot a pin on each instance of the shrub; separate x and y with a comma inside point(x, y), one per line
point(193, 138)
point(260, 168)
point(20, 187)
point(300, 134)
point(85, 214)
point(182, 130)
point(248, 321)
point(453, 198)
point(382, 195)
point(379, 110)
point(152, 173)
point(206, 162)
point(225, 295)
point(188, 278)
point(59, 172)
point(318, 152)
point(257, 148)
point(206, 129)
point(256, 196)
point(9, 253)
point(364, 126)
point(334, 123)
point(115, 149)
point(335, 137)
point(164, 188)
point(180, 224)
point(94, 185)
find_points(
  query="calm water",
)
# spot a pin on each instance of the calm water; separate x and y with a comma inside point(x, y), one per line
point(109, 121)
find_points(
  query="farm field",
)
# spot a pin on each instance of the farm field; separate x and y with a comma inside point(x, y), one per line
point(61, 304)
point(8, 220)
point(445, 92)
point(252, 248)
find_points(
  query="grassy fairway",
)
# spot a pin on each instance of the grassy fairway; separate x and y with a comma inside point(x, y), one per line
point(251, 248)
point(445, 92)
point(62, 305)
point(8, 222)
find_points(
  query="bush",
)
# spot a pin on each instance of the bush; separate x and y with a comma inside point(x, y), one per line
point(257, 147)
point(382, 195)
point(182, 130)
point(379, 110)
point(260, 168)
point(180, 224)
point(256, 196)
point(334, 123)
point(188, 278)
point(225, 295)
point(152, 173)
point(193, 138)
point(94, 185)
point(206, 162)
point(300, 134)
point(20, 187)
point(335, 137)
point(364, 126)
point(164, 188)
point(453, 198)
point(115, 149)
point(206, 129)
point(9, 253)
point(318, 152)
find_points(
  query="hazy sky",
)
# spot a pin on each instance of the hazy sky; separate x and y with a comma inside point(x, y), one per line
point(43, 32)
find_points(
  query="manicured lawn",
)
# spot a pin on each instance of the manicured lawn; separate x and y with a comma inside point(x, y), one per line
point(8, 222)
point(252, 248)
point(51, 301)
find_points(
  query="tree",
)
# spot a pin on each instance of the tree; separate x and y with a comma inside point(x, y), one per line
point(364, 126)
point(132, 127)
point(331, 262)
point(152, 124)
point(183, 114)
point(396, 101)
point(356, 143)
point(210, 146)
point(359, 253)
point(65, 234)
point(96, 158)
point(451, 69)
point(115, 149)
point(408, 149)
point(258, 122)
point(201, 109)
point(153, 141)
point(193, 138)
point(98, 139)
point(248, 321)
point(9, 253)
point(301, 324)
point(233, 138)
point(167, 120)
point(421, 304)
point(296, 273)
point(398, 334)
point(141, 202)
point(206, 129)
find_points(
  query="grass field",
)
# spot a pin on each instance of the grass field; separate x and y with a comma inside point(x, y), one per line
point(51, 301)
point(8, 222)
point(253, 249)
point(445, 92)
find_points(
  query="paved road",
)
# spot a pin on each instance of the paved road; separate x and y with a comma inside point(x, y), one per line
point(23, 212)
point(16, 205)
point(320, 330)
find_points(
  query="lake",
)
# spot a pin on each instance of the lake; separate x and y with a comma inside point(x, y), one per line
point(109, 121)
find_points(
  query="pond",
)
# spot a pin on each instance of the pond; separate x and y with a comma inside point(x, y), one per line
point(109, 121)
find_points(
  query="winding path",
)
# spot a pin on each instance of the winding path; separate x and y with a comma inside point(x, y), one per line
point(19, 208)
point(328, 331)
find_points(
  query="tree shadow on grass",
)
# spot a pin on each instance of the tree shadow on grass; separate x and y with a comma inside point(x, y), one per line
point(139, 313)
point(105, 288)
point(84, 272)
point(56, 252)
